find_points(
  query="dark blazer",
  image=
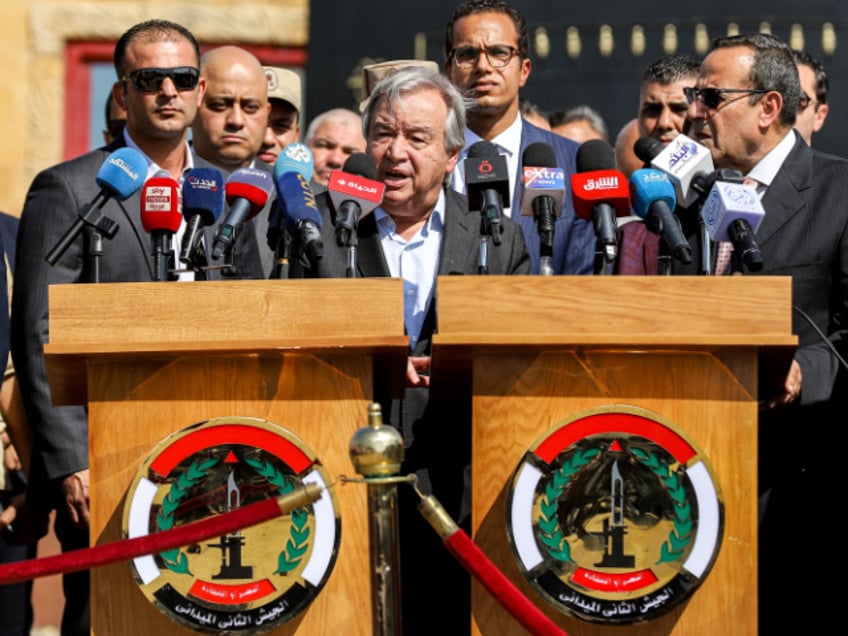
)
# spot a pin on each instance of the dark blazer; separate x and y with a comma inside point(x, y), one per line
point(574, 238)
point(52, 205)
point(459, 251)
point(804, 235)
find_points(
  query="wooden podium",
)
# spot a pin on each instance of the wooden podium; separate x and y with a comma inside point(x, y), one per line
point(540, 350)
point(152, 358)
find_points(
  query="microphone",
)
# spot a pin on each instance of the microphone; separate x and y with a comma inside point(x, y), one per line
point(121, 176)
point(203, 202)
point(544, 189)
point(733, 212)
point(487, 186)
point(247, 191)
point(161, 216)
point(600, 194)
point(653, 199)
point(295, 157)
point(683, 160)
point(354, 193)
point(302, 218)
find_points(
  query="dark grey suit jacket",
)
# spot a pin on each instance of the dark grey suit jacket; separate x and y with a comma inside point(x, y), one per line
point(53, 204)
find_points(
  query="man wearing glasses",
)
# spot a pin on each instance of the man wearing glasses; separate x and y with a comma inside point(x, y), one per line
point(160, 88)
point(812, 107)
point(743, 109)
point(487, 59)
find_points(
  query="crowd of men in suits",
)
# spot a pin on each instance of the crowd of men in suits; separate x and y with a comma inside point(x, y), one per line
point(418, 126)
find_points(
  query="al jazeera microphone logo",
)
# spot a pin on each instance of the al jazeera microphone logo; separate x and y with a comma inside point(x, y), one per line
point(251, 580)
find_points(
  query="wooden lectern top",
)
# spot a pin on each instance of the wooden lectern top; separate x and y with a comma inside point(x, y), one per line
point(628, 311)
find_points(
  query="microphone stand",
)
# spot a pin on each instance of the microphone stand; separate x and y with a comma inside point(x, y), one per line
point(102, 225)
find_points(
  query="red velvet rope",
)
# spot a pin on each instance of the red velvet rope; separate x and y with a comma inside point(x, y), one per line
point(107, 553)
point(501, 588)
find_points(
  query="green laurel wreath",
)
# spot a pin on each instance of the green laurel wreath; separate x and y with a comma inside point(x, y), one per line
point(548, 523)
point(298, 542)
point(176, 560)
point(681, 533)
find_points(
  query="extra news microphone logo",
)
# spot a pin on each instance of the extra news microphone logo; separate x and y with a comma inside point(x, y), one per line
point(544, 178)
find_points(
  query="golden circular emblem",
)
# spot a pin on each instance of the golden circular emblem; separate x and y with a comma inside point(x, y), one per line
point(615, 516)
point(251, 580)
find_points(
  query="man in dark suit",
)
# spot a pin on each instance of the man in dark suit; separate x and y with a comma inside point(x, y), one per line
point(488, 59)
point(414, 131)
point(743, 109)
point(159, 86)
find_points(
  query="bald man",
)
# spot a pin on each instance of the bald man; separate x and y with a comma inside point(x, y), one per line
point(333, 136)
point(233, 115)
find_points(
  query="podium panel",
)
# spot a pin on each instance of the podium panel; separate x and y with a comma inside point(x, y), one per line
point(288, 352)
point(546, 350)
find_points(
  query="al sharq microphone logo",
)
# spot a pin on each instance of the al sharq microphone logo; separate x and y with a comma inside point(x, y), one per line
point(602, 183)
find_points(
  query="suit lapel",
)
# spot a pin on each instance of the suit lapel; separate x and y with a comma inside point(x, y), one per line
point(784, 197)
point(369, 257)
point(462, 232)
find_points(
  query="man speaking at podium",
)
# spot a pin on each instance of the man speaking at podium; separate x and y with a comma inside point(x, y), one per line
point(743, 109)
point(413, 128)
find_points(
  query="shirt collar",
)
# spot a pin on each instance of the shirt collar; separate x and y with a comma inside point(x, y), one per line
point(386, 224)
point(768, 167)
point(152, 168)
point(508, 142)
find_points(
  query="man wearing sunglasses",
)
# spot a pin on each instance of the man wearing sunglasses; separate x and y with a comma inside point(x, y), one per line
point(487, 58)
point(160, 88)
point(812, 106)
point(743, 109)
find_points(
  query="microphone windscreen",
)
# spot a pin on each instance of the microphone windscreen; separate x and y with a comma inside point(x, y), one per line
point(297, 201)
point(483, 150)
point(203, 194)
point(362, 165)
point(161, 207)
point(539, 154)
point(648, 186)
point(647, 148)
point(123, 173)
point(251, 184)
point(295, 157)
point(595, 154)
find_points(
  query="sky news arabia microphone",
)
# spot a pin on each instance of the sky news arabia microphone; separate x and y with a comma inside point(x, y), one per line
point(246, 191)
point(652, 198)
point(203, 203)
point(682, 160)
point(161, 216)
point(733, 212)
point(121, 176)
point(354, 194)
point(296, 157)
point(487, 186)
point(543, 186)
point(600, 194)
point(302, 218)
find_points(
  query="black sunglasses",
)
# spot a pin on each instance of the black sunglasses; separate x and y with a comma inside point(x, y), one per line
point(711, 97)
point(149, 80)
point(804, 101)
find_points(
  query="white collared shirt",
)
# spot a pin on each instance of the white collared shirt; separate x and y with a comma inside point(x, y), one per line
point(509, 145)
point(768, 167)
point(416, 262)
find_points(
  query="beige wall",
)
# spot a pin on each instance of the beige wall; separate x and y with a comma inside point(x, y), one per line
point(32, 41)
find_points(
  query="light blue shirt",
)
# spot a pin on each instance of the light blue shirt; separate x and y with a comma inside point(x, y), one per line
point(416, 262)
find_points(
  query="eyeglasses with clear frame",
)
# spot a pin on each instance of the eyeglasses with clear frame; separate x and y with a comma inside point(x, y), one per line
point(499, 55)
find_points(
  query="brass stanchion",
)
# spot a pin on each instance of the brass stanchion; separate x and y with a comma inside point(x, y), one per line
point(377, 452)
